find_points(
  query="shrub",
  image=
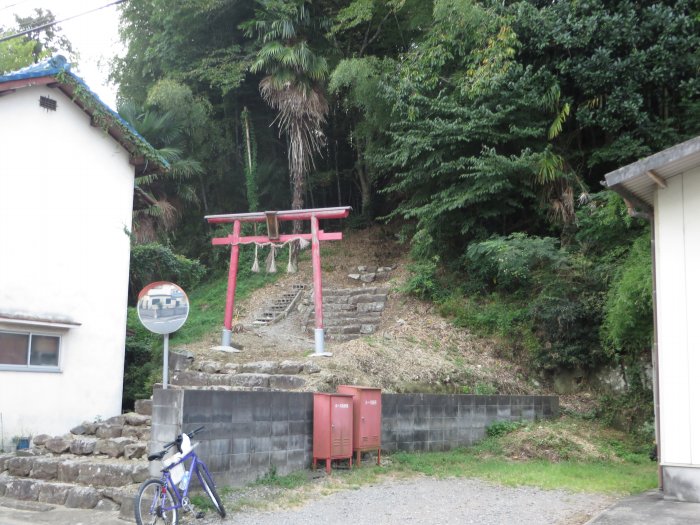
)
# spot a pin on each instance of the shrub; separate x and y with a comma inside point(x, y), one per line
point(155, 262)
point(512, 262)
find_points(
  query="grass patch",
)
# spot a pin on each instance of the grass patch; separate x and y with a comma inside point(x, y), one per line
point(584, 457)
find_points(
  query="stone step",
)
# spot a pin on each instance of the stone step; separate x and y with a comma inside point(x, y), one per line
point(71, 495)
point(349, 292)
point(245, 379)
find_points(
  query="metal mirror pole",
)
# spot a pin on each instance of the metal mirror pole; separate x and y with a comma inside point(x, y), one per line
point(166, 351)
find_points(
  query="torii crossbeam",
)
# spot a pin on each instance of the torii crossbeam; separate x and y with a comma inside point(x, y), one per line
point(272, 219)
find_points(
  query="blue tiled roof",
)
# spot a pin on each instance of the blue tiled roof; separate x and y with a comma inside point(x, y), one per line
point(58, 64)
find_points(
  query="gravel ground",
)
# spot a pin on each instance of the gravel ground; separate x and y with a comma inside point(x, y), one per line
point(430, 501)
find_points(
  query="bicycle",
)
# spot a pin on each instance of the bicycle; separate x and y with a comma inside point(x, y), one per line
point(159, 500)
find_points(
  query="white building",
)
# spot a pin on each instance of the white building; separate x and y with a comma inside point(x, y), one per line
point(666, 186)
point(67, 166)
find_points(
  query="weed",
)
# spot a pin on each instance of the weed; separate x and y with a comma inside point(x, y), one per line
point(501, 428)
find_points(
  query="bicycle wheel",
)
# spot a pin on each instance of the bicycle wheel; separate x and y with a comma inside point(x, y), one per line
point(210, 489)
point(151, 502)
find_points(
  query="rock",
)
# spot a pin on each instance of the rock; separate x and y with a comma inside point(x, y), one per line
point(231, 368)
point(140, 474)
point(250, 380)
point(113, 447)
point(41, 439)
point(82, 498)
point(290, 367)
point(134, 451)
point(144, 407)
point(137, 420)
point(286, 382)
point(384, 269)
point(131, 432)
point(259, 367)
point(145, 435)
point(368, 277)
point(361, 269)
point(367, 328)
point(20, 467)
point(105, 474)
point(105, 504)
point(370, 307)
point(79, 430)
point(106, 430)
point(53, 493)
point(116, 420)
point(68, 471)
point(83, 446)
point(210, 367)
point(44, 469)
point(311, 368)
point(354, 276)
point(22, 489)
point(58, 445)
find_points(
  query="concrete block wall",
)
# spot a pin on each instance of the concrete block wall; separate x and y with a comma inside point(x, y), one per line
point(433, 422)
point(249, 433)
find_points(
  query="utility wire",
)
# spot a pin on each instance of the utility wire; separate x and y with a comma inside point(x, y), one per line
point(39, 28)
point(13, 5)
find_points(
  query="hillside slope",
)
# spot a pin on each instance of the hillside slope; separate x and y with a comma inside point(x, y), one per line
point(413, 348)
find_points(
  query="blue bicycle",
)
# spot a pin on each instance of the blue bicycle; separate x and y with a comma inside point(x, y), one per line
point(159, 500)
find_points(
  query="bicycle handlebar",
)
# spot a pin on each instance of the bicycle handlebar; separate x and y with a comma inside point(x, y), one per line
point(177, 441)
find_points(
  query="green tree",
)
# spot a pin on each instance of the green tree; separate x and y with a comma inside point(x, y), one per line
point(293, 83)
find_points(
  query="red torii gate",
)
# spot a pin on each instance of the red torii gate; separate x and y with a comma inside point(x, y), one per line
point(272, 219)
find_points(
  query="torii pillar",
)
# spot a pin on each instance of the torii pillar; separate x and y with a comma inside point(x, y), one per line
point(272, 219)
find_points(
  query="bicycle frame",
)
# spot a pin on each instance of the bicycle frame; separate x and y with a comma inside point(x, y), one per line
point(166, 478)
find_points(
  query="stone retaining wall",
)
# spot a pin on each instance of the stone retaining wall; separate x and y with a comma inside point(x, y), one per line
point(248, 433)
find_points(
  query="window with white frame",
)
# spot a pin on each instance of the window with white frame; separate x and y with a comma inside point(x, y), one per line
point(29, 350)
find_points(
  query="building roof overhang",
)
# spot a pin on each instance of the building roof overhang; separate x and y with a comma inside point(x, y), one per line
point(637, 182)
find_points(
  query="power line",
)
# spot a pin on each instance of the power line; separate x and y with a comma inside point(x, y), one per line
point(39, 28)
point(13, 5)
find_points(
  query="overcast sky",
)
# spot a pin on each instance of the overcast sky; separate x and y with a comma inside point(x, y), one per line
point(94, 36)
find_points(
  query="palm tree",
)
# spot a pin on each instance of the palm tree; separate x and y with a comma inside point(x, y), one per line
point(158, 197)
point(292, 85)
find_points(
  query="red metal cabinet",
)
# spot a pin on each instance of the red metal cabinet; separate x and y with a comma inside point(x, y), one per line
point(333, 424)
point(367, 425)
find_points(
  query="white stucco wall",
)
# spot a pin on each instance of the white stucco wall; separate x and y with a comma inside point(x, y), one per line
point(65, 206)
point(677, 232)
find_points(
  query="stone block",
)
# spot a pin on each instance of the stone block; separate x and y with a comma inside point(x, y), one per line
point(20, 467)
point(210, 367)
point(68, 471)
point(290, 367)
point(250, 380)
point(143, 407)
point(131, 432)
point(259, 367)
point(140, 473)
point(113, 447)
point(105, 474)
point(137, 420)
point(83, 446)
point(134, 451)
point(370, 307)
point(58, 445)
point(368, 277)
point(106, 430)
point(54, 493)
point(106, 505)
point(44, 469)
point(41, 439)
point(82, 498)
point(22, 489)
point(116, 420)
point(311, 368)
point(367, 328)
point(79, 430)
point(231, 368)
point(287, 382)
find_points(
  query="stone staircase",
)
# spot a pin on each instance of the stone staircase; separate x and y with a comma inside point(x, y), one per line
point(96, 466)
point(349, 313)
point(280, 307)
point(259, 375)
